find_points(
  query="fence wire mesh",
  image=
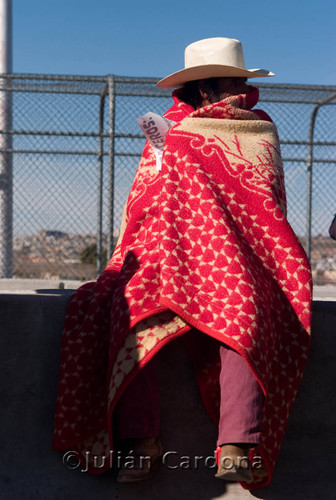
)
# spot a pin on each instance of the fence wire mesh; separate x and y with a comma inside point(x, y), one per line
point(69, 149)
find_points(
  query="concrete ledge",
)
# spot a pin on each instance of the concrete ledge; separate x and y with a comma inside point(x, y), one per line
point(18, 286)
point(30, 336)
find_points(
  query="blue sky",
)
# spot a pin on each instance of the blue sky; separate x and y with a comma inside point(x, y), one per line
point(296, 39)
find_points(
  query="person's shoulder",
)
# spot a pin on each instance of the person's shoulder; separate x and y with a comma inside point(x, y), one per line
point(263, 115)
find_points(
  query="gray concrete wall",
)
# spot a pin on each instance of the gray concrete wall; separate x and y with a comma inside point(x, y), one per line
point(29, 469)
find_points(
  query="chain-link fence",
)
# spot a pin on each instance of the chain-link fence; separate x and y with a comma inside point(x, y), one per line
point(69, 148)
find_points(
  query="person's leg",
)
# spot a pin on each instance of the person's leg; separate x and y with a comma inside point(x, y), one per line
point(137, 420)
point(138, 411)
point(240, 415)
point(241, 401)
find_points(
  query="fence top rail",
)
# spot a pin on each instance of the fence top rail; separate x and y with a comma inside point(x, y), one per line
point(131, 79)
point(145, 87)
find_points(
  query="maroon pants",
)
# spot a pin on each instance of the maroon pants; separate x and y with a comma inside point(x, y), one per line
point(138, 416)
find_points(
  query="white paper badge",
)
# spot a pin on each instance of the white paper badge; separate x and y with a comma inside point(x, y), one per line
point(155, 128)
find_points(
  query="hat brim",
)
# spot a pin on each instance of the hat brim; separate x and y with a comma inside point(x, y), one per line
point(177, 79)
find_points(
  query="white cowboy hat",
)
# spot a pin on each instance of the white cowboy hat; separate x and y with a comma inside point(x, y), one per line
point(212, 57)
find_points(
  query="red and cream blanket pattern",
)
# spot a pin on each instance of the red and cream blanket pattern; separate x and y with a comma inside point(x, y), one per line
point(206, 252)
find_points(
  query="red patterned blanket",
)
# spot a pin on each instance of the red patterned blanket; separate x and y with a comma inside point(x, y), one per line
point(205, 244)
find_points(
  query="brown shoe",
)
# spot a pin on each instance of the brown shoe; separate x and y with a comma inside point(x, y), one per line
point(233, 463)
point(140, 463)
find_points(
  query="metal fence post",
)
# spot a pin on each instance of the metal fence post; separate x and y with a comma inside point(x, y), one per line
point(110, 214)
point(6, 167)
point(100, 181)
point(6, 184)
point(310, 162)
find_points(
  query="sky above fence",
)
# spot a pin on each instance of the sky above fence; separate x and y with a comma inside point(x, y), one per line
point(294, 39)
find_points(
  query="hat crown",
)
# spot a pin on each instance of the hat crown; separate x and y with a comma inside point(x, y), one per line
point(223, 51)
point(212, 58)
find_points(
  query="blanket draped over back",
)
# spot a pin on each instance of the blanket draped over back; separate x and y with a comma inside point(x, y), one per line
point(205, 252)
